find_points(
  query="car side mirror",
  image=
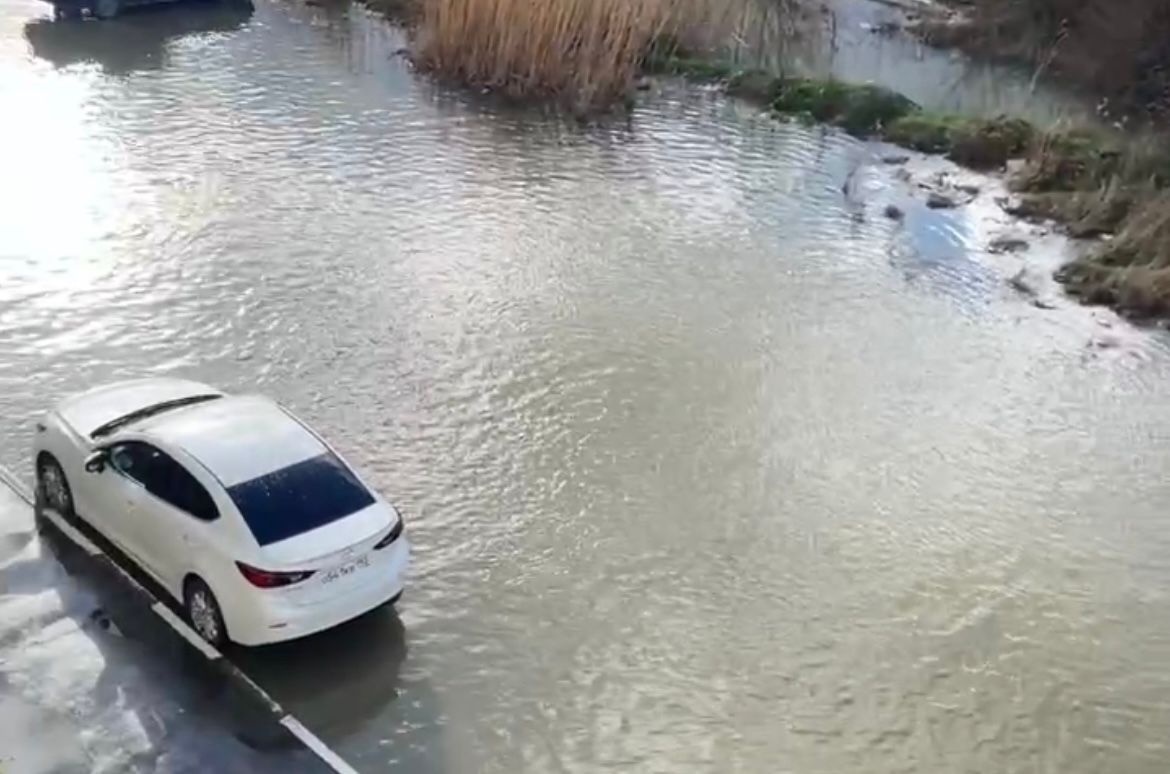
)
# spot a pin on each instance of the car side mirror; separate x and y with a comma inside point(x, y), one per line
point(96, 462)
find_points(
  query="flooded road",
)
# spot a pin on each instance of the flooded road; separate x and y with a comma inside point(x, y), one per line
point(709, 466)
point(92, 682)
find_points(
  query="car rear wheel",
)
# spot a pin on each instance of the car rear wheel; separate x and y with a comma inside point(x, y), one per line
point(53, 488)
point(66, 10)
point(203, 612)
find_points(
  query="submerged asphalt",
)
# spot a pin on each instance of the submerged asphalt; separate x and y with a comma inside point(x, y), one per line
point(91, 680)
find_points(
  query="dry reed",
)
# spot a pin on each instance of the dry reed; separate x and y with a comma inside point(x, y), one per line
point(581, 53)
point(1099, 185)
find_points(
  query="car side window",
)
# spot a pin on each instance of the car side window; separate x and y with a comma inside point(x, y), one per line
point(163, 477)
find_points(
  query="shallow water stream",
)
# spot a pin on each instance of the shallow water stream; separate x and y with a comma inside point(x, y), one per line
point(709, 465)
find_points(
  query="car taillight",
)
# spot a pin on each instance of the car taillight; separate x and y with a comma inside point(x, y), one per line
point(391, 536)
point(267, 579)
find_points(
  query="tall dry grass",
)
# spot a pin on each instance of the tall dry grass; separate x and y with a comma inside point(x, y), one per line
point(1101, 184)
point(1131, 272)
point(581, 53)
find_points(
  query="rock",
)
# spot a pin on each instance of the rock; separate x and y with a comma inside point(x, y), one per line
point(642, 84)
point(895, 158)
point(903, 175)
point(940, 201)
point(969, 188)
point(883, 27)
point(1022, 283)
point(894, 212)
point(1043, 303)
point(939, 180)
point(104, 622)
point(1107, 342)
point(1007, 244)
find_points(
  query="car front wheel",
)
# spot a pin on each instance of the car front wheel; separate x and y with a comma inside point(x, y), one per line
point(53, 488)
point(203, 612)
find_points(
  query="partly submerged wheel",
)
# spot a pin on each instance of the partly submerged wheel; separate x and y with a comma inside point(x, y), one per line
point(106, 9)
point(66, 10)
point(203, 612)
point(53, 488)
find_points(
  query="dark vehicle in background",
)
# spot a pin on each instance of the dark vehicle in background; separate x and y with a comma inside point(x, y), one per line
point(108, 9)
point(137, 42)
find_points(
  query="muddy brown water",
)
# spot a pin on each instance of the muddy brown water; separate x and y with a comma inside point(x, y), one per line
point(709, 466)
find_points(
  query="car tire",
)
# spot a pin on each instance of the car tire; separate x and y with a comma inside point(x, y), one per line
point(53, 488)
point(106, 9)
point(65, 11)
point(203, 612)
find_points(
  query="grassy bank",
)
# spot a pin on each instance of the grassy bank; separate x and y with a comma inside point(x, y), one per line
point(1094, 184)
point(868, 110)
point(1118, 49)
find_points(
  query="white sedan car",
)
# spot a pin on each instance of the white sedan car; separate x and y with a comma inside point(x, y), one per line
point(241, 512)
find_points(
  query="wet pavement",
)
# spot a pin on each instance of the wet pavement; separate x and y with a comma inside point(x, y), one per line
point(91, 681)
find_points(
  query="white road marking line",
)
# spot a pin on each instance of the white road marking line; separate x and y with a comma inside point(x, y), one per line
point(310, 740)
point(239, 675)
point(186, 632)
point(294, 726)
point(16, 485)
point(72, 532)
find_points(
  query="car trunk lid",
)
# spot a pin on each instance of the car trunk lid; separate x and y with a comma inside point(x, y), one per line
point(321, 547)
point(340, 555)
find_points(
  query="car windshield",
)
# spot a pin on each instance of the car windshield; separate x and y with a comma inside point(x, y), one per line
point(299, 498)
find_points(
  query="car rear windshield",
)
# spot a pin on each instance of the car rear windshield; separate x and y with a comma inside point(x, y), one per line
point(299, 498)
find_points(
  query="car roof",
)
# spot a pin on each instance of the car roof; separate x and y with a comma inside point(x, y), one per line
point(90, 410)
point(237, 438)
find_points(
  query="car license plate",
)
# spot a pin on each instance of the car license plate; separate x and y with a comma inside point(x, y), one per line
point(346, 570)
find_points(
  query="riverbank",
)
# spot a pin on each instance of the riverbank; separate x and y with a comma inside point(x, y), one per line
point(1093, 184)
point(1110, 188)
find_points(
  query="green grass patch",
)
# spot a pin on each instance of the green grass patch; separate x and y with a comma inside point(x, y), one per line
point(859, 110)
point(755, 85)
point(975, 143)
point(695, 68)
point(990, 143)
point(926, 132)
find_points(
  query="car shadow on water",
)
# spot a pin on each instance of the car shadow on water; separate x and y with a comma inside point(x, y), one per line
point(337, 680)
point(120, 616)
point(137, 693)
point(138, 40)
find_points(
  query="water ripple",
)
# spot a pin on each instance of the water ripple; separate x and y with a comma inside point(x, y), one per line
point(709, 465)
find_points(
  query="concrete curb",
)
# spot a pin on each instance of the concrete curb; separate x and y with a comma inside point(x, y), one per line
point(303, 735)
